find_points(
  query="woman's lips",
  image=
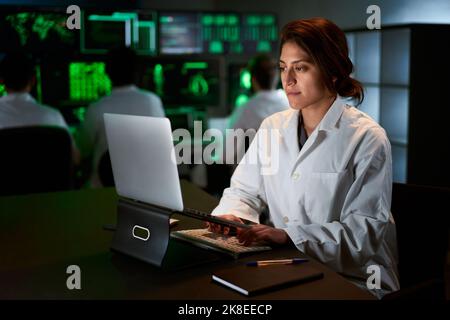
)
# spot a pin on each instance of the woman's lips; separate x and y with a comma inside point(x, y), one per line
point(293, 93)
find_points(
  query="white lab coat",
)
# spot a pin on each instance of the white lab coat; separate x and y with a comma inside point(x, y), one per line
point(123, 100)
point(332, 198)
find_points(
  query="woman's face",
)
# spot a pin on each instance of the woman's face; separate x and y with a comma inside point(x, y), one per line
point(300, 77)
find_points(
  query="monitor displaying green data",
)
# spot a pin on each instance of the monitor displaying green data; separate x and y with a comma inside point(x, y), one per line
point(102, 32)
point(217, 33)
point(37, 32)
point(184, 82)
point(88, 81)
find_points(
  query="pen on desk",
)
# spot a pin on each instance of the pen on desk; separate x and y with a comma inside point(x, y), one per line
point(273, 262)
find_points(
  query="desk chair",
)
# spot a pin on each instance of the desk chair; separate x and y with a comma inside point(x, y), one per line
point(421, 217)
point(35, 159)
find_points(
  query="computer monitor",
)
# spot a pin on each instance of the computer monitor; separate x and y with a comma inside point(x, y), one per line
point(180, 33)
point(217, 33)
point(239, 85)
point(184, 82)
point(104, 31)
point(259, 33)
point(2, 90)
point(88, 81)
point(221, 33)
point(36, 31)
point(72, 85)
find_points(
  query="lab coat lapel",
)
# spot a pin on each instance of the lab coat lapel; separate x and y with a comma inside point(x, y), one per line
point(289, 135)
point(326, 125)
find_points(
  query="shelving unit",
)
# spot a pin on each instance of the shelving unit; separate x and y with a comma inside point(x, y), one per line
point(405, 72)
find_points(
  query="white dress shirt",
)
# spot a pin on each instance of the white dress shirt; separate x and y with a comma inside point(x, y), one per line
point(332, 197)
point(250, 115)
point(21, 109)
point(264, 103)
point(122, 100)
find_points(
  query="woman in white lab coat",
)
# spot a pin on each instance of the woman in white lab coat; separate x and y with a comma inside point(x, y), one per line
point(322, 168)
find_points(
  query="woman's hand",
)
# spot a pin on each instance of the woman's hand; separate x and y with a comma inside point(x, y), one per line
point(261, 232)
point(217, 228)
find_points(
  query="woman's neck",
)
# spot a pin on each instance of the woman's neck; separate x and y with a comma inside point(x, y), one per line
point(313, 114)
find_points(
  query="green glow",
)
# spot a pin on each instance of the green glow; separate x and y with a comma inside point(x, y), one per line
point(253, 20)
point(126, 15)
point(216, 47)
point(25, 23)
point(88, 81)
point(263, 46)
point(268, 20)
point(241, 99)
point(235, 33)
point(236, 47)
point(165, 19)
point(207, 20)
point(80, 113)
point(195, 65)
point(274, 34)
point(179, 110)
point(158, 79)
point(233, 20)
point(96, 17)
point(2, 90)
point(220, 20)
point(42, 26)
point(198, 85)
point(38, 83)
point(146, 36)
point(246, 79)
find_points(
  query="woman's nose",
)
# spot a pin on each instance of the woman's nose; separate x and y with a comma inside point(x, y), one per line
point(290, 79)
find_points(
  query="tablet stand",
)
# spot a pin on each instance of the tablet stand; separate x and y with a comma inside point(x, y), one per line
point(142, 231)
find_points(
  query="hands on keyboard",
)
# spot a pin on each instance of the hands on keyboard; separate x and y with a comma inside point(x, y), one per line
point(213, 219)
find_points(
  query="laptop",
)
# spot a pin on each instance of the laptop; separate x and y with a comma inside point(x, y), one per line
point(146, 179)
point(144, 164)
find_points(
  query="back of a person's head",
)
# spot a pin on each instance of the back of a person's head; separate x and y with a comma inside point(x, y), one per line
point(121, 66)
point(263, 69)
point(16, 71)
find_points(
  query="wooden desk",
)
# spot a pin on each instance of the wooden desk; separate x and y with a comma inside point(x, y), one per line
point(42, 234)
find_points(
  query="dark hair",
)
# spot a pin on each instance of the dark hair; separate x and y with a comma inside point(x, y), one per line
point(17, 70)
point(121, 66)
point(263, 68)
point(327, 45)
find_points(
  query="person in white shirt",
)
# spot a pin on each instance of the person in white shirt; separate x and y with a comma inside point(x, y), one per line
point(125, 98)
point(323, 168)
point(267, 99)
point(18, 108)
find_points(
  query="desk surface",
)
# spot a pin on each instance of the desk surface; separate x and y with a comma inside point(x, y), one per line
point(42, 234)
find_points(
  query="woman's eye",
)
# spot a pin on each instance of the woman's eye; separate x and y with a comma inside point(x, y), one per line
point(282, 69)
point(299, 69)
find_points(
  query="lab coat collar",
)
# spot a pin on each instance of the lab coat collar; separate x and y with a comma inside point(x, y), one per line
point(328, 123)
point(333, 115)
